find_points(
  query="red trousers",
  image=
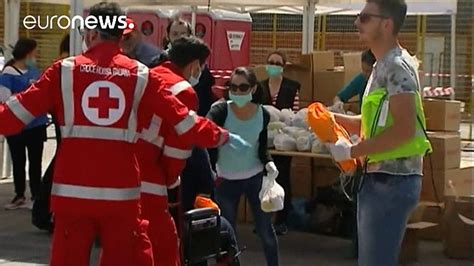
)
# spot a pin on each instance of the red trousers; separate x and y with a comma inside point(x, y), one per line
point(123, 240)
point(161, 231)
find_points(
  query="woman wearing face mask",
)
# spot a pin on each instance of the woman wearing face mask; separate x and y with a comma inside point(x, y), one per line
point(282, 93)
point(243, 115)
point(16, 77)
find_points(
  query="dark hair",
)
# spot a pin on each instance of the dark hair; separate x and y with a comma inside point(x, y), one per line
point(64, 45)
point(176, 19)
point(395, 10)
point(368, 57)
point(280, 53)
point(248, 73)
point(108, 11)
point(250, 76)
point(186, 49)
point(22, 48)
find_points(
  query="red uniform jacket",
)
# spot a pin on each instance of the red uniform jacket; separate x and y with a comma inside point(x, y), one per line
point(100, 99)
point(160, 143)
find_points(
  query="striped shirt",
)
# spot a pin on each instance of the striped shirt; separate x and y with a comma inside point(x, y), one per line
point(296, 102)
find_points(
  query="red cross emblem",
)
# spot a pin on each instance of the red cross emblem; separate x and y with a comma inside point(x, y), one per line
point(104, 102)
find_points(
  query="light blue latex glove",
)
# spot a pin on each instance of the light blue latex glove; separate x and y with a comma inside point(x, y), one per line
point(237, 143)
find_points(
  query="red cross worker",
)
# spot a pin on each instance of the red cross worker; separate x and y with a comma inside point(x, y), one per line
point(96, 184)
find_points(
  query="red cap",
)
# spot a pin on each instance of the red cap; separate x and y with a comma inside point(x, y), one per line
point(130, 26)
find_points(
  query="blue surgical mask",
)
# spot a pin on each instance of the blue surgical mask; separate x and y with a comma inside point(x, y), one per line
point(30, 62)
point(273, 70)
point(240, 100)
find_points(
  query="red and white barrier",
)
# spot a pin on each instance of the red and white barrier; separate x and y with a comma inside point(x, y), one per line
point(437, 91)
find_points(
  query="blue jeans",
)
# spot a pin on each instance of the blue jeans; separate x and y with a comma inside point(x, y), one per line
point(228, 194)
point(385, 203)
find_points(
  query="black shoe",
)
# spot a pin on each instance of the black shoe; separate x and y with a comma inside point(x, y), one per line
point(281, 229)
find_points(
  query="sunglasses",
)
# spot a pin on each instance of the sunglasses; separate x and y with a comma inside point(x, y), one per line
point(274, 63)
point(366, 17)
point(244, 87)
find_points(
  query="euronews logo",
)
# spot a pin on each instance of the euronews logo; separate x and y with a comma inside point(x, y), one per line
point(77, 22)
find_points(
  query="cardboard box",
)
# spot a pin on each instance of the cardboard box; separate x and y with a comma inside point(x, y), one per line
point(438, 177)
point(442, 115)
point(326, 85)
point(301, 161)
point(305, 104)
point(409, 249)
point(325, 162)
point(461, 184)
point(301, 183)
point(410, 243)
point(322, 60)
point(325, 176)
point(432, 214)
point(352, 64)
point(446, 151)
point(458, 229)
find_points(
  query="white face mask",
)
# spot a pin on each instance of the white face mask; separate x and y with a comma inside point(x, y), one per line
point(195, 80)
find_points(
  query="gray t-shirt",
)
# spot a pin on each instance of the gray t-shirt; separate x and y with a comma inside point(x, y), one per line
point(397, 73)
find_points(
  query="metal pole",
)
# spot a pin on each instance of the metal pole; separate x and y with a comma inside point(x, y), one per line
point(304, 48)
point(274, 31)
point(311, 12)
point(453, 55)
point(75, 39)
point(193, 18)
point(6, 162)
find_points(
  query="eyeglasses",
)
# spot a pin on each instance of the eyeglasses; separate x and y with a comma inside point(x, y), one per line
point(274, 63)
point(244, 87)
point(365, 17)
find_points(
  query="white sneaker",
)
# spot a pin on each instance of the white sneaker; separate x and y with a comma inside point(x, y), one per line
point(28, 204)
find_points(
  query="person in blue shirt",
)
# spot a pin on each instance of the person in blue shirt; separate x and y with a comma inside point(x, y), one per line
point(357, 85)
point(16, 77)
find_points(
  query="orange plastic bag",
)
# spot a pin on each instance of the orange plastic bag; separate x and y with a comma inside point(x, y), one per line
point(204, 202)
point(328, 130)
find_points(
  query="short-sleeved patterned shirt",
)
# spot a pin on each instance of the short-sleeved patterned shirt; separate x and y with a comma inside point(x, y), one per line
point(397, 73)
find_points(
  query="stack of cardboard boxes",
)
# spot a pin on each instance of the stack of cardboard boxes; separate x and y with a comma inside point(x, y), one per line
point(443, 120)
point(443, 172)
point(320, 79)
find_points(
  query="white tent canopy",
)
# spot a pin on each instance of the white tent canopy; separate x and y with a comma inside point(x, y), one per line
point(305, 7)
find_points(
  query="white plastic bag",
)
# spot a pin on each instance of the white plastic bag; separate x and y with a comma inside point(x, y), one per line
point(276, 125)
point(318, 147)
point(303, 143)
point(301, 119)
point(291, 131)
point(284, 142)
point(286, 116)
point(272, 195)
point(274, 113)
point(271, 134)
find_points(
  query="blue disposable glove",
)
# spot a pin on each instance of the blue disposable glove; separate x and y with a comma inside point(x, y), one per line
point(237, 143)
